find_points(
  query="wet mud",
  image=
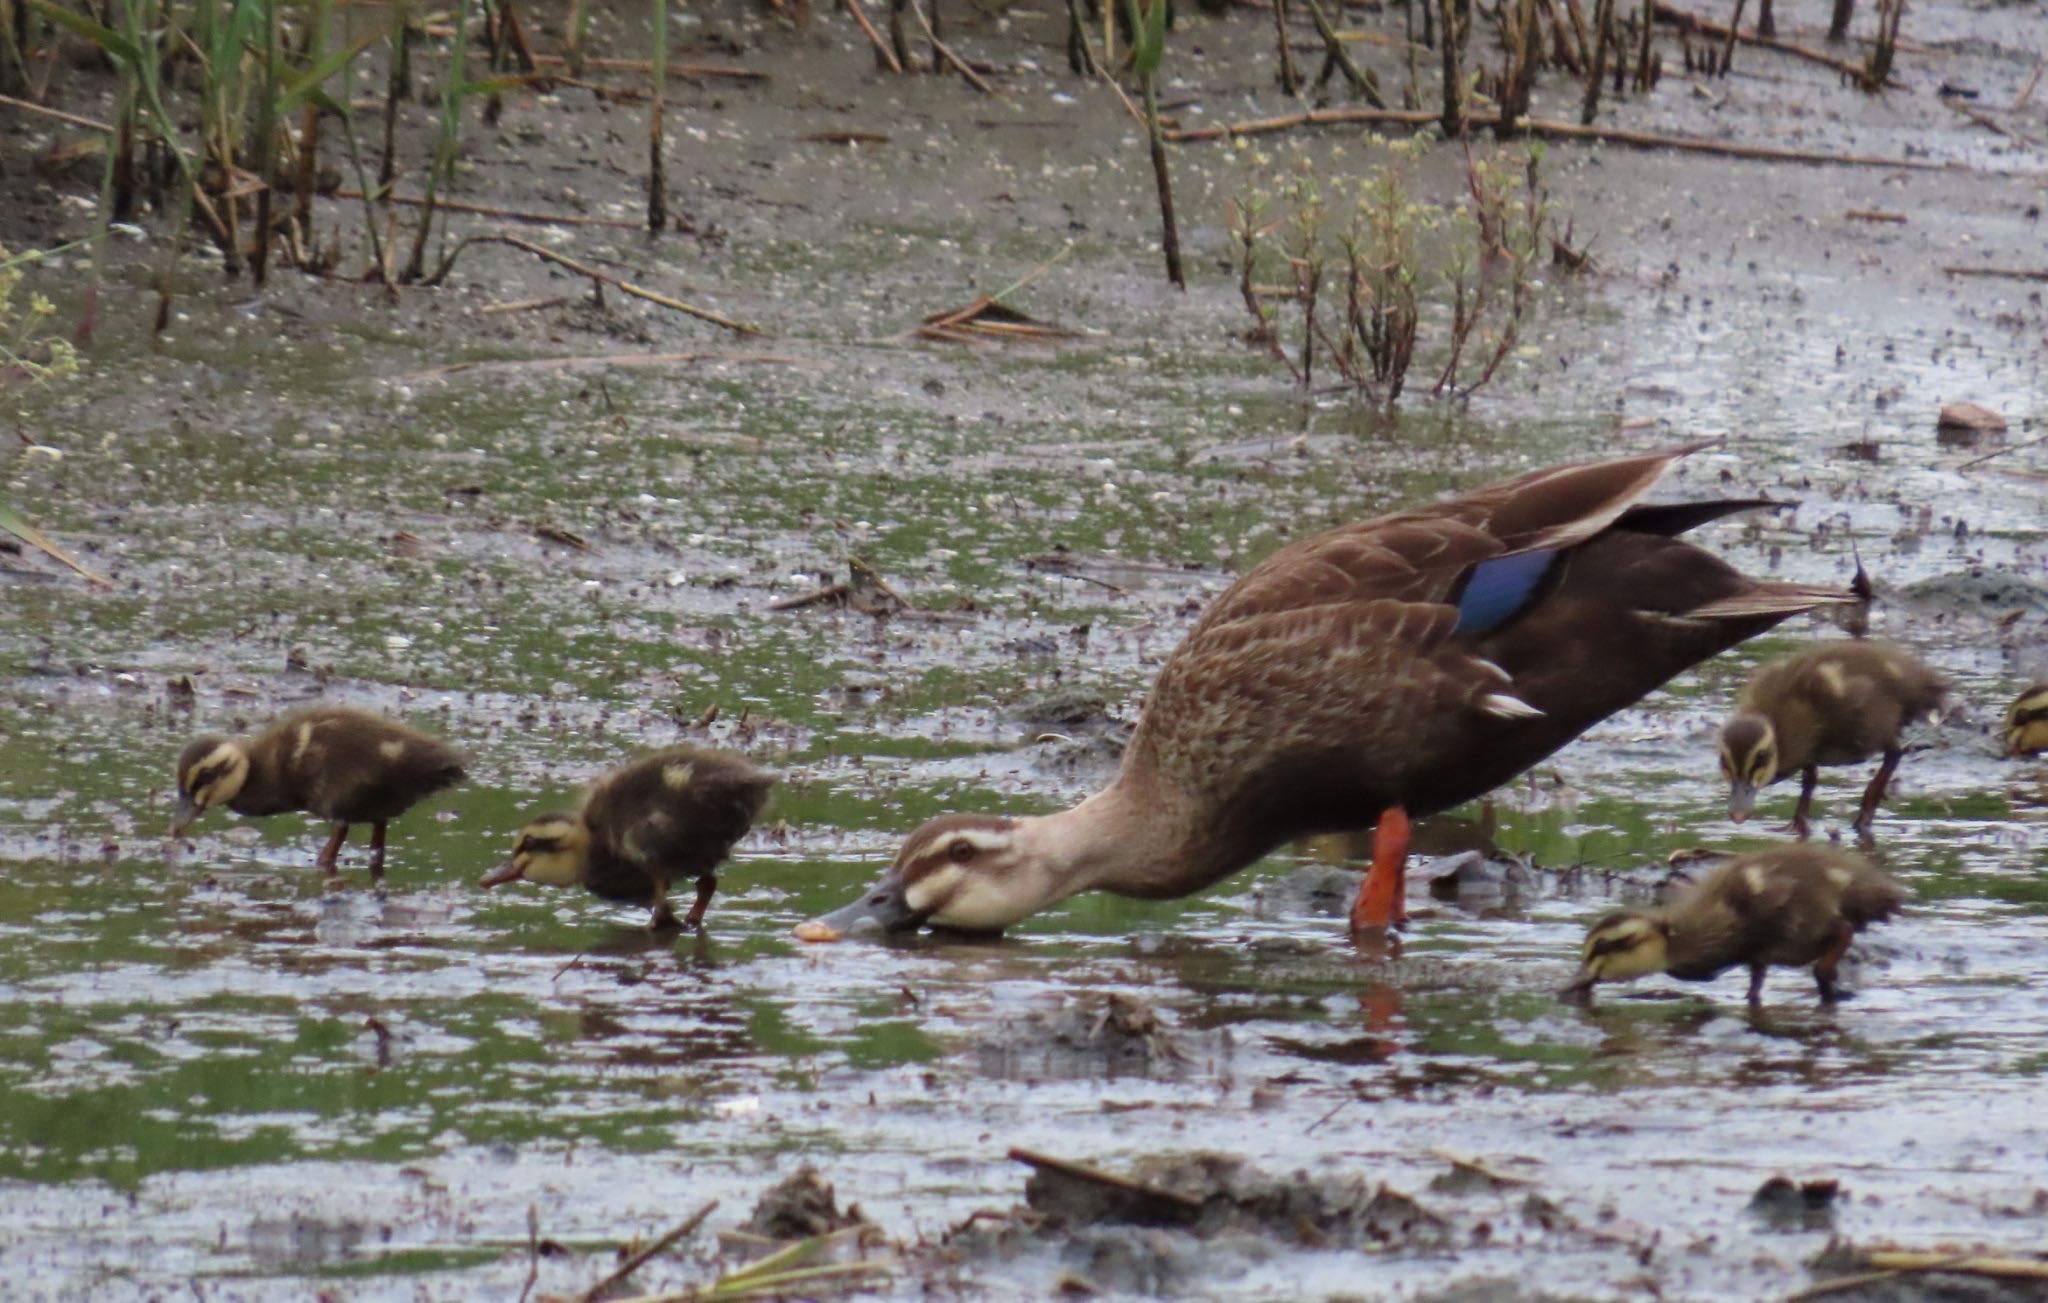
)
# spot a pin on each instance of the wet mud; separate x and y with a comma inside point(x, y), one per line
point(220, 1074)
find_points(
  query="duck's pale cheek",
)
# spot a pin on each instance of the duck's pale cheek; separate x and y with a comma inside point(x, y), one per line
point(973, 904)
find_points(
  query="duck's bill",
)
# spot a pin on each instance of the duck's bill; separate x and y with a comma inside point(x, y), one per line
point(882, 907)
point(188, 810)
point(1741, 801)
point(498, 877)
point(1580, 988)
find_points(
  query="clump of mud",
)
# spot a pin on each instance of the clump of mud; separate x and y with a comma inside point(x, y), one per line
point(1980, 593)
point(1089, 1036)
point(1182, 1221)
point(800, 1206)
point(1785, 1205)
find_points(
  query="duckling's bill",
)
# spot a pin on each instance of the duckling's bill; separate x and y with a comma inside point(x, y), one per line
point(498, 877)
point(188, 811)
point(1741, 800)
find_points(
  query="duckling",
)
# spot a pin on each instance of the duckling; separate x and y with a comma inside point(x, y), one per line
point(345, 765)
point(2026, 724)
point(673, 814)
point(1834, 704)
point(1790, 905)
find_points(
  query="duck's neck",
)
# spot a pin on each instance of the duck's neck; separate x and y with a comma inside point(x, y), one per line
point(1126, 840)
point(265, 790)
point(1701, 938)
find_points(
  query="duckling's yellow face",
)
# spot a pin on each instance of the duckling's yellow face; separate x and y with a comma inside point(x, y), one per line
point(2026, 724)
point(1749, 760)
point(553, 850)
point(1622, 947)
point(211, 771)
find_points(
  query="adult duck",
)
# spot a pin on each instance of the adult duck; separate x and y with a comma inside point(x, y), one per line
point(1357, 678)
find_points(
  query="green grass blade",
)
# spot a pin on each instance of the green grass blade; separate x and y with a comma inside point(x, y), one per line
point(11, 521)
point(106, 38)
point(302, 89)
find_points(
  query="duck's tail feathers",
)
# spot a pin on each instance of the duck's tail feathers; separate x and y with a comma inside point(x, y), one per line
point(1769, 598)
point(1670, 519)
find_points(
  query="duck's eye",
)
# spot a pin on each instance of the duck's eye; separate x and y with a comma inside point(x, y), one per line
point(960, 851)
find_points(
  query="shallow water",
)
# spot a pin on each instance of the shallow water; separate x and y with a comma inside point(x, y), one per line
point(220, 1070)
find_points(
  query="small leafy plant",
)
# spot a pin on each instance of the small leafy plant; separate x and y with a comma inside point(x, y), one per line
point(1355, 274)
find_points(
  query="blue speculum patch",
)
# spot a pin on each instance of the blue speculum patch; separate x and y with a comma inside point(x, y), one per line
point(1498, 589)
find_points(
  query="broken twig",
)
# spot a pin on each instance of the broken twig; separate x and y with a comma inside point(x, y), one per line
point(485, 210)
point(638, 1260)
point(602, 278)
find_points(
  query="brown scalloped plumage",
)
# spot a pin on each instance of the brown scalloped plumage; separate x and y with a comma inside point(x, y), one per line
point(1331, 687)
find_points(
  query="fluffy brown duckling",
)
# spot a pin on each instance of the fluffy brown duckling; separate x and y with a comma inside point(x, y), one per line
point(346, 765)
point(641, 827)
point(2026, 724)
point(1790, 906)
point(1835, 704)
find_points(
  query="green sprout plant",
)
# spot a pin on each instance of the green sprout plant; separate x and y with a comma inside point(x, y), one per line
point(1358, 274)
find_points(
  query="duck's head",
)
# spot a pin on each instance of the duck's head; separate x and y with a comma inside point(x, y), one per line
point(1620, 948)
point(960, 872)
point(2026, 724)
point(1749, 760)
point(211, 771)
point(553, 850)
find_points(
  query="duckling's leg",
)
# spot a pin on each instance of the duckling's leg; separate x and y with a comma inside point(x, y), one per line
point(332, 850)
point(1383, 896)
point(664, 917)
point(1824, 968)
point(1756, 985)
point(1866, 814)
point(1809, 777)
point(706, 884)
point(377, 849)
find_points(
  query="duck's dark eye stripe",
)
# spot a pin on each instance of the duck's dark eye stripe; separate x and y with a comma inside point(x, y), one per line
point(1608, 945)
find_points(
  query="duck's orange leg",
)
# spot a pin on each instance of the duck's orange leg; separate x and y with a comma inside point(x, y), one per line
point(1383, 896)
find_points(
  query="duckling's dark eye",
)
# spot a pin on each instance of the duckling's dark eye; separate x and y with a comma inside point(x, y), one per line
point(960, 851)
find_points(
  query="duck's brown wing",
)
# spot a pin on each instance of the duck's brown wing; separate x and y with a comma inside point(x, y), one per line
point(1424, 658)
point(1425, 553)
point(669, 816)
